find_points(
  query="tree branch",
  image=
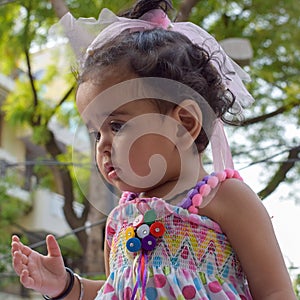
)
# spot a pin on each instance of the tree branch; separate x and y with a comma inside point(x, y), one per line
point(281, 173)
point(65, 97)
point(276, 112)
point(34, 122)
point(86, 209)
point(58, 105)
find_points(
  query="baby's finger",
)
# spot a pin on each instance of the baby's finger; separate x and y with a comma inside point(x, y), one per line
point(25, 249)
point(14, 247)
point(17, 245)
point(26, 280)
point(52, 246)
point(24, 259)
point(15, 238)
point(17, 262)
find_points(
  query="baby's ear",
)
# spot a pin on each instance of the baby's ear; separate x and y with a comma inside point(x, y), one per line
point(189, 116)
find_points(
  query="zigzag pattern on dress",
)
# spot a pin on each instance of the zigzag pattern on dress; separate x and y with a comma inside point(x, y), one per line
point(186, 245)
point(196, 248)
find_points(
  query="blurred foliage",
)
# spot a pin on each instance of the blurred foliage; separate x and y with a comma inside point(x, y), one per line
point(70, 247)
point(46, 179)
point(296, 285)
point(11, 209)
point(80, 171)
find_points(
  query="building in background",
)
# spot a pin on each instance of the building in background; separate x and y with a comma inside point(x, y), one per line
point(16, 155)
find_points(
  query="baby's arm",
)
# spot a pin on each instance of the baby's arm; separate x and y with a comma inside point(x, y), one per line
point(245, 221)
point(47, 274)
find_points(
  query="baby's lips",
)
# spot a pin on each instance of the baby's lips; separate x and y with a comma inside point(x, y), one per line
point(108, 167)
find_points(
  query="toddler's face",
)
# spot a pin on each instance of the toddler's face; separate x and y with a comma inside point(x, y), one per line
point(135, 148)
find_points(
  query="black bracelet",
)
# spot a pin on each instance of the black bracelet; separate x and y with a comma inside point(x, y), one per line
point(67, 291)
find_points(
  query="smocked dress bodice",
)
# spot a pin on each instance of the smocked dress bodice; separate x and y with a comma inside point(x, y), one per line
point(189, 258)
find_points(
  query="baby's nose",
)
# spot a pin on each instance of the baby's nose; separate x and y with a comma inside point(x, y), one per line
point(104, 144)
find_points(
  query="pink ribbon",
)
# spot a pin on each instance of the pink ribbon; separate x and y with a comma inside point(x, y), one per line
point(221, 153)
point(158, 17)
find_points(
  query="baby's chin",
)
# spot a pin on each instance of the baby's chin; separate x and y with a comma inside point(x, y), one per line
point(133, 189)
point(122, 187)
point(159, 188)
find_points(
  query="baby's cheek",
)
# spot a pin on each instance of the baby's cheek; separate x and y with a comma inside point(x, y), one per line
point(139, 160)
point(98, 164)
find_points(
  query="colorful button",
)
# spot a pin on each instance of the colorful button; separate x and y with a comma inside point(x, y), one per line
point(148, 243)
point(139, 220)
point(133, 244)
point(157, 229)
point(129, 232)
point(149, 216)
point(143, 231)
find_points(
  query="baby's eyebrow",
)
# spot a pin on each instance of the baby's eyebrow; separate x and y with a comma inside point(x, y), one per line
point(117, 112)
point(93, 120)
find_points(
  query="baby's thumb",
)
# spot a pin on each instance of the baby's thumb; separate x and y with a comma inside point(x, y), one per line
point(52, 246)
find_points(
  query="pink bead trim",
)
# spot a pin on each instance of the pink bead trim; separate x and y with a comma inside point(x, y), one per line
point(195, 196)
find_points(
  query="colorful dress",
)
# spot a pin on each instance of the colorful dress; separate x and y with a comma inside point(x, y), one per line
point(161, 252)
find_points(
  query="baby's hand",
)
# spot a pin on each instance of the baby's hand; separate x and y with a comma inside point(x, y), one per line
point(44, 274)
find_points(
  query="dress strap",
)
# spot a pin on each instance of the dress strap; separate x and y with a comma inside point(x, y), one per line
point(203, 188)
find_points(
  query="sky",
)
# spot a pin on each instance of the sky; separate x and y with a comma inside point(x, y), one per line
point(286, 223)
point(285, 213)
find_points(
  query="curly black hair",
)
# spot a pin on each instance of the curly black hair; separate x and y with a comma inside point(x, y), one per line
point(167, 54)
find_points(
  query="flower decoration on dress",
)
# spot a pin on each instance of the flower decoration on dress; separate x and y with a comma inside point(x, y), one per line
point(141, 237)
point(142, 234)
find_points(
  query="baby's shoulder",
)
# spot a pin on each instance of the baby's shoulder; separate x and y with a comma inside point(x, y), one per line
point(232, 198)
point(232, 190)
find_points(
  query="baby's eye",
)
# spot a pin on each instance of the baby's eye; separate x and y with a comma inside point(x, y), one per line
point(116, 126)
point(96, 135)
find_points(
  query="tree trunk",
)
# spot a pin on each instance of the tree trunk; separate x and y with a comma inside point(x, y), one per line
point(66, 187)
point(94, 254)
point(98, 194)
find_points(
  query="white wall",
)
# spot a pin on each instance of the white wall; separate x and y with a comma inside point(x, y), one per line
point(47, 214)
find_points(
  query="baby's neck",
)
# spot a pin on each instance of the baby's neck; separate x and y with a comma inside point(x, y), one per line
point(173, 191)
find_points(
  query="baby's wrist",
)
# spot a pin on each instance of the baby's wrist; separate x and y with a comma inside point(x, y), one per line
point(70, 278)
